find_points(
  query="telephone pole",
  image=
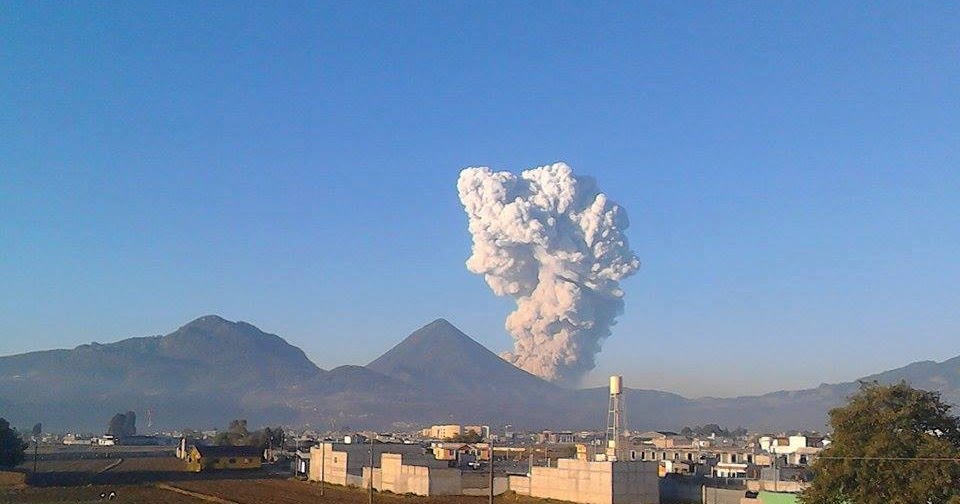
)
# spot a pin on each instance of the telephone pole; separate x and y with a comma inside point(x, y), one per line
point(323, 464)
point(490, 443)
point(370, 482)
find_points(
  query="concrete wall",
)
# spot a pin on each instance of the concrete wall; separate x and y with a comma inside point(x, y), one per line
point(342, 460)
point(636, 483)
point(397, 477)
point(519, 484)
point(592, 482)
point(777, 486)
point(330, 464)
point(500, 485)
point(722, 495)
point(574, 480)
point(677, 489)
point(344, 464)
point(12, 479)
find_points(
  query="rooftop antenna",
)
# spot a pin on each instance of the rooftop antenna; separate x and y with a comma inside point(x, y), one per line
point(616, 422)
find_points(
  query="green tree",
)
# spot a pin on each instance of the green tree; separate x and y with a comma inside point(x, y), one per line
point(11, 445)
point(117, 425)
point(130, 424)
point(239, 428)
point(471, 436)
point(123, 424)
point(891, 444)
point(222, 439)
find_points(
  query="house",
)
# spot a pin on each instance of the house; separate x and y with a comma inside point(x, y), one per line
point(301, 464)
point(454, 451)
point(205, 458)
point(551, 437)
point(398, 468)
point(442, 431)
point(73, 439)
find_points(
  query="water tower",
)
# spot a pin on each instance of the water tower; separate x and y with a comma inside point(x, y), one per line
point(616, 422)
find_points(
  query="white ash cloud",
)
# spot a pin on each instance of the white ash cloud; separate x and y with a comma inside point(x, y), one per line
point(555, 244)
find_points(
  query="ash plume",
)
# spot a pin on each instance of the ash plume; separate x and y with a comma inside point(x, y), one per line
point(555, 244)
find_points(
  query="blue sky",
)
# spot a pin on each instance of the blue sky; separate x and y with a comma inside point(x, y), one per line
point(791, 172)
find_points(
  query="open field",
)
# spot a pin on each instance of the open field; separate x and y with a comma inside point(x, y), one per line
point(69, 466)
point(144, 478)
point(260, 491)
point(75, 494)
point(278, 491)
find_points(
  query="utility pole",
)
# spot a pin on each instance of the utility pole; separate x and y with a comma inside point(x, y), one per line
point(36, 449)
point(490, 443)
point(370, 482)
point(323, 464)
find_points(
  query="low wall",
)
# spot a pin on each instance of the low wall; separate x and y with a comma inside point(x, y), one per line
point(519, 484)
point(575, 481)
point(777, 486)
point(636, 483)
point(678, 489)
point(12, 479)
point(500, 485)
point(722, 495)
point(589, 482)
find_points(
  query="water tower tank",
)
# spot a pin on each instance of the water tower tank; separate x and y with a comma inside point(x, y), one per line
point(616, 385)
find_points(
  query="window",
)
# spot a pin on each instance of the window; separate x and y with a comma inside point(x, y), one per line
point(233, 461)
point(733, 458)
point(689, 456)
point(676, 456)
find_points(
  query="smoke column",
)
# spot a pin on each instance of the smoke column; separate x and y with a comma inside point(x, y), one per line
point(555, 244)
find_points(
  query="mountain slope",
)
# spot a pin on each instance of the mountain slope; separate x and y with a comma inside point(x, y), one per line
point(211, 370)
point(200, 372)
point(440, 358)
point(462, 381)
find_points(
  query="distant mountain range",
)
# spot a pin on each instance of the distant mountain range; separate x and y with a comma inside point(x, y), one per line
point(211, 371)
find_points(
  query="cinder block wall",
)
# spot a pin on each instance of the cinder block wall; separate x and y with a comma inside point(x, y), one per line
point(636, 483)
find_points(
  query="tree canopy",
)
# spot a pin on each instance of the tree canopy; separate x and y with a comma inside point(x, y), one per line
point(11, 445)
point(714, 429)
point(123, 424)
point(891, 444)
point(471, 436)
point(238, 435)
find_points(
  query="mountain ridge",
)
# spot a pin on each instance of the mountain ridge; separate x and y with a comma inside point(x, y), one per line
point(212, 370)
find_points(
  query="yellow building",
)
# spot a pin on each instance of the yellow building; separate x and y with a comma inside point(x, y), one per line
point(442, 431)
point(206, 458)
point(452, 451)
